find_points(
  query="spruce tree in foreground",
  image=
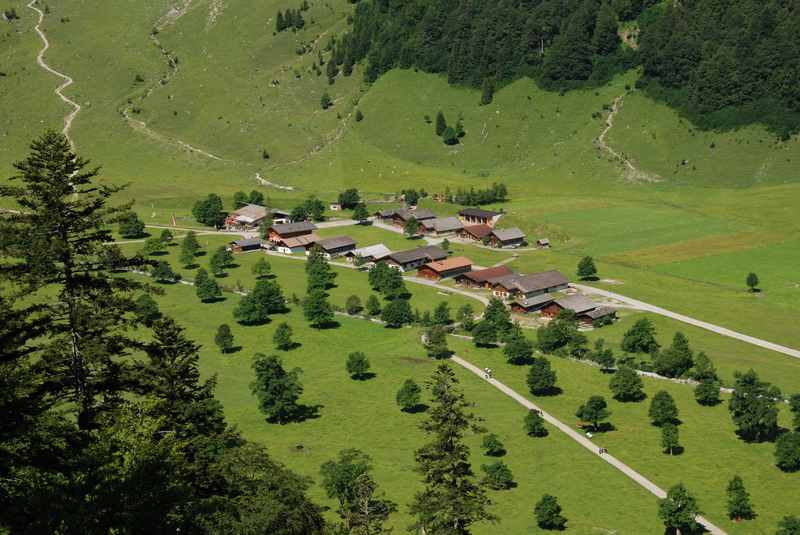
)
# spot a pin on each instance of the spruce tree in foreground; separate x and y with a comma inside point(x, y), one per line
point(452, 501)
point(739, 506)
point(678, 510)
point(548, 514)
point(55, 259)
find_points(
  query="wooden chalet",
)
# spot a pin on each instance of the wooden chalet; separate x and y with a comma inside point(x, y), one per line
point(245, 244)
point(337, 246)
point(507, 238)
point(449, 267)
point(474, 232)
point(402, 215)
point(248, 217)
point(512, 286)
point(296, 244)
point(414, 258)
point(526, 305)
point(290, 230)
point(483, 278)
point(441, 226)
point(478, 216)
point(369, 255)
point(586, 310)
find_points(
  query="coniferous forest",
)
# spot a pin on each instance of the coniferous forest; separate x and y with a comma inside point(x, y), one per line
point(723, 63)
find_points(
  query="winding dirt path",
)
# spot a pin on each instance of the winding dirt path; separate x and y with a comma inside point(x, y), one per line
point(67, 79)
point(631, 172)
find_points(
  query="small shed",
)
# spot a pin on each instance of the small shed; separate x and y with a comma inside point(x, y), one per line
point(544, 243)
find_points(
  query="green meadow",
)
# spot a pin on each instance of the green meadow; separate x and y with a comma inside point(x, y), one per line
point(364, 415)
point(712, 452)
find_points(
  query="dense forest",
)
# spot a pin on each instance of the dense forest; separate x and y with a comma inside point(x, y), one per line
point(721, 62)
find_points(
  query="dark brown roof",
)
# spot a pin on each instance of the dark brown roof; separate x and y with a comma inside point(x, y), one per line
point(429, 253)
point(288, 228)
point(419, 214)
point(483, 275)
point(337, 242)
point(478, 212)
point(479, 231)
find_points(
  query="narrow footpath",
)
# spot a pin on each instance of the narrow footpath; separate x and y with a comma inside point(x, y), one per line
point(582, 440)
point(67, 79)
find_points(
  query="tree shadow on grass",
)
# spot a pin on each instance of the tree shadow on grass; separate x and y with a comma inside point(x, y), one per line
point(200, 253)
point(333, 324)
point(307, 412)
point(550, 392)
point(418, 408)
point(603, 427)
point(214, 300)
point(521, 362)
point(292, 346)
point(234, 349)
point(158, 253)
point(676, 451)
point(363, 376)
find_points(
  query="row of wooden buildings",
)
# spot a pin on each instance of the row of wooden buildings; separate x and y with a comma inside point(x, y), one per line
point(537, 292)
point(473, 224)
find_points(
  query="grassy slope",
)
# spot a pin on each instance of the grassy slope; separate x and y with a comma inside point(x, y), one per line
point(27, 103)
point(713, 453)
point(364, 415)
